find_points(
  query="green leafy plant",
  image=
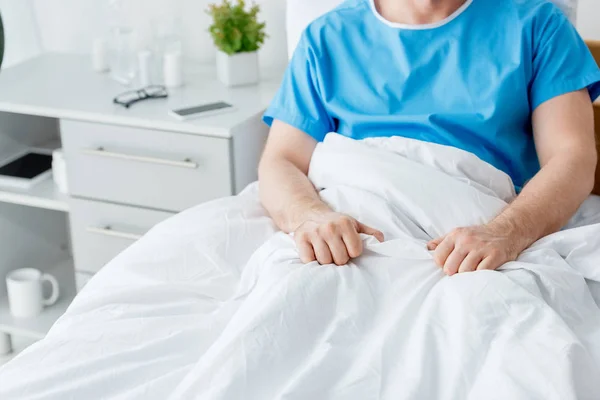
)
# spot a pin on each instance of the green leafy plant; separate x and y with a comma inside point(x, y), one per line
point(236, 29)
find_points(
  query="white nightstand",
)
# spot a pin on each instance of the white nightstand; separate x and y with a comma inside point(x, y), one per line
point(127, 169)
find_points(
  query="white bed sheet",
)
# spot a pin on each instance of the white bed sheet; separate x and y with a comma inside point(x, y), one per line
point(214, 303)
point(588, 214)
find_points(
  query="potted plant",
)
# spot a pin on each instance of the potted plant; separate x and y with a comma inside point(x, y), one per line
point(238, 35)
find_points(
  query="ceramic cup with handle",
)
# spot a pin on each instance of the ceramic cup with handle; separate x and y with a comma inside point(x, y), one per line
point(26, 294)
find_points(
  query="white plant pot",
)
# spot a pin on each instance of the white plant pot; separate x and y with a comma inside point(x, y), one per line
point(238, 69)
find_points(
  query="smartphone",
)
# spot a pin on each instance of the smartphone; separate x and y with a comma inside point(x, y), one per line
point(201, 110)
point(25, 169)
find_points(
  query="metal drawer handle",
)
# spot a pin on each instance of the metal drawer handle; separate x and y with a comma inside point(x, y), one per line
point(102, 152)
point(108, 231)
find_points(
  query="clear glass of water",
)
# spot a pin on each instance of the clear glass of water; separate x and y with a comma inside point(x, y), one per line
point(123, 61)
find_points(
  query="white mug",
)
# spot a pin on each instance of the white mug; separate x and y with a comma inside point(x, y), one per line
point(25, 292)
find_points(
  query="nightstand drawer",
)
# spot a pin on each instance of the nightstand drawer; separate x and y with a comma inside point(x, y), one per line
point(157, 169)
point(100, 231)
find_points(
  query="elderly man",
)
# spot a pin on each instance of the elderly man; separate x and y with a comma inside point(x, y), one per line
point(510, 81)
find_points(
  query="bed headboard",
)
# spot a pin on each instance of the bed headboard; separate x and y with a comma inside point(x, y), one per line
point(595, 48)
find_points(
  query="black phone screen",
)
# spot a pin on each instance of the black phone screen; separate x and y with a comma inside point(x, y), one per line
point(27, 166)
point(203, 108)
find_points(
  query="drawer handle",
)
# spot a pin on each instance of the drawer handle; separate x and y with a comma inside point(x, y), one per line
point(102, 152)
point(108, 231)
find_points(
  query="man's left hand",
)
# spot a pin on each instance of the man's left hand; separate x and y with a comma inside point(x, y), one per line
point(484, 247)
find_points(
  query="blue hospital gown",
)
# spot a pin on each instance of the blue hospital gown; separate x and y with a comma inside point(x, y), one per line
point(470, 81)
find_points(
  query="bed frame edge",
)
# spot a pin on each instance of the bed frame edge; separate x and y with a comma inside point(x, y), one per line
point(594, 46)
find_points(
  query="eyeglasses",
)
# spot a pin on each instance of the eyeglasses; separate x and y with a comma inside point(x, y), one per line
point(133, 96)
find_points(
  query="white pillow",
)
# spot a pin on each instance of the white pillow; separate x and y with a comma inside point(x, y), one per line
point(300, 13)
point(569, 7)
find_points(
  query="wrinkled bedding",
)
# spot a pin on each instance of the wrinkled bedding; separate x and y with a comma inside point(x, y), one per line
point(215, 304)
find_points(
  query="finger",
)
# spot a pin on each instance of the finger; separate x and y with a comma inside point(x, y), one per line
point(306, 251)
point(488, 263)
point(470, 263)
point(322, 253)
point(433, 244)
point(442, 251)
point(353, 243)
point(362, 228)
point(338, 250)
point(453, 261)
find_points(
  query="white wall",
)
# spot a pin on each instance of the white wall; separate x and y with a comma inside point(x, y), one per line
point(588, 19)
point(20, 29)
point(71, 25)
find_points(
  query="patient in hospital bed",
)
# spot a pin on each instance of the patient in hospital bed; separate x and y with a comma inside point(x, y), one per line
point(508, 81)
point(404, 241)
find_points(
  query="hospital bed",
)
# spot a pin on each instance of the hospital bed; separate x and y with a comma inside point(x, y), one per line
point(214, 304)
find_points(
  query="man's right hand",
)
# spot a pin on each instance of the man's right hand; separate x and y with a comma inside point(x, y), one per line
point(295, 206)
point(331, 237)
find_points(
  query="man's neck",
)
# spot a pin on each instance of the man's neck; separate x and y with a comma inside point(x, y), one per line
point(417, 12)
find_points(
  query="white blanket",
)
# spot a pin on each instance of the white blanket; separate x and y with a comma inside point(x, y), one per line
point(215, 304)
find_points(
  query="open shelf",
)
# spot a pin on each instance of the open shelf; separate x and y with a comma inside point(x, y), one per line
point(37, 327)
point(42, 195)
